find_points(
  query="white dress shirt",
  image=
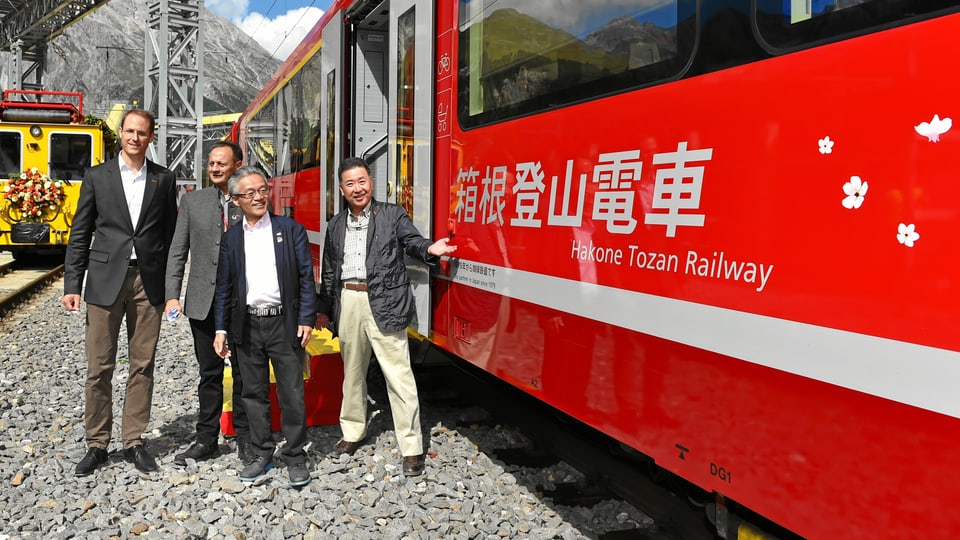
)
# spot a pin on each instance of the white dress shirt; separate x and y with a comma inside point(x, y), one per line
point(134, 183)
point(263, 288)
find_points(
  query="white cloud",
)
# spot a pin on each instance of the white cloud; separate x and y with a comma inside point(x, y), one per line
point(281, 35)
point(228, 9)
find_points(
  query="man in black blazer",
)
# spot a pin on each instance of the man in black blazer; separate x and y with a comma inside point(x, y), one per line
point(265, 305)
point(204, 216)
point(121, 232)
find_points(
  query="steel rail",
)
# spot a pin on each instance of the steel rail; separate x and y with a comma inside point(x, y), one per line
point(10, 300)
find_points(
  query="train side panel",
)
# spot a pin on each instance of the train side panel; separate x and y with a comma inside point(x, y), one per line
point(747, 275)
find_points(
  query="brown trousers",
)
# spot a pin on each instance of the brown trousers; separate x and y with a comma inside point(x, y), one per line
point(103, 331)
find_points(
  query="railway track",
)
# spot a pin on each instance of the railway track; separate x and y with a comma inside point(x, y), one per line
point(18, 281)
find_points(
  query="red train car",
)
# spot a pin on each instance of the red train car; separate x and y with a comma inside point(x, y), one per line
point(720, 231)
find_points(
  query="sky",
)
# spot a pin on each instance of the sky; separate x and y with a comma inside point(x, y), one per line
point(278, 25)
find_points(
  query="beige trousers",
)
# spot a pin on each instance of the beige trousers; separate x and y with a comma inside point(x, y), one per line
point(103, 331)
point(359, 337)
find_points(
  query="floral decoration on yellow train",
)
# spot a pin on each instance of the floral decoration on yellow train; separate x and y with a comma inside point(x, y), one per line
point(33, 197)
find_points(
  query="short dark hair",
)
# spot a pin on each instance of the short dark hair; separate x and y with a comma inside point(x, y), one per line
point(237, 151)
point(243, 172)
point(351, 163)
point(141, 113)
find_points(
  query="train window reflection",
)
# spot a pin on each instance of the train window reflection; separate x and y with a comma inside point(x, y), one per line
point(261, 147)
point(801, 10)
point(10, 153)
point(330, 106)
point(786, 25)
point(522, 56)
point(406, 63)
point(308, 113)
point(285, 128)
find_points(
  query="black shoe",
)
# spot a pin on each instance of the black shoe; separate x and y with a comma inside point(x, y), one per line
point(245, 451)
point(197, 452)
point(299, 474)
point(143, 461)
point(256, 469)
point(413, 465)
point(346, 447)
point(94, 458)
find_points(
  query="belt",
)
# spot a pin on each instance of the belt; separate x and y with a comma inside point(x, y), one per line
point(133, 262)
point(355, 286)
point(261, 311)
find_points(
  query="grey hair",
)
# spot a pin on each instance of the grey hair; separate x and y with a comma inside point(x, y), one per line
point(242, 172)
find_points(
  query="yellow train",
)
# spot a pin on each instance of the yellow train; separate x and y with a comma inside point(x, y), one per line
point(46, 144)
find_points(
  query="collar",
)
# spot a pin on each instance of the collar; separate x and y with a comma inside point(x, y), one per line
point(125, 167)
point(260, 224)
point(365, 213)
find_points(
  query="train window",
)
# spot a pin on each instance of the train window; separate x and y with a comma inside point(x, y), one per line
point(70, 155)
point(308, 113)
point(11, 153)
point(330, 131)
point(261, 150)
point(406, 62)
point(785, 25)
point(518, 57)
point(285, 133)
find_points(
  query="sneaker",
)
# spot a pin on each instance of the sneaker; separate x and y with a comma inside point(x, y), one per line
point(256, 469)
point(299, 475)
point(245, 451)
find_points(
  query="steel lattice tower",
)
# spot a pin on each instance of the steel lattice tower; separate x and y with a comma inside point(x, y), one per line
point(173, 86)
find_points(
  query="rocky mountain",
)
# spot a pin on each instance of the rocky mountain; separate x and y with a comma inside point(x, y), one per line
point(623, 33)
point(102, 55)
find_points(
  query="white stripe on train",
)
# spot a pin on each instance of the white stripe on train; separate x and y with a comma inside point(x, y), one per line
point(917, 375)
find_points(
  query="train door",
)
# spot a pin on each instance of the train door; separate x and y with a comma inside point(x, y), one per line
point(393, 55)
point(331, 121)
point(369, 84)
point(411, 134)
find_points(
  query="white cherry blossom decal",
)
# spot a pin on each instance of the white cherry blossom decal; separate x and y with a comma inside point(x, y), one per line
point(906, 234)
point(826, 145)
point(855, 189)
point(934, 128)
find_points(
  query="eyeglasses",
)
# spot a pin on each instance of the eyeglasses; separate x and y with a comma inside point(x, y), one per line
point(263, 192)
point(131, 132)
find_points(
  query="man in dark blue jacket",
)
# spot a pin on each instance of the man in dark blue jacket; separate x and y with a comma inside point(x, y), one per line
point(265, 303)
point(364, 274)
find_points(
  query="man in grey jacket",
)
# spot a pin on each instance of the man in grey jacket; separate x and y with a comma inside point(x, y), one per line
point(203, 217)
point(364, 274)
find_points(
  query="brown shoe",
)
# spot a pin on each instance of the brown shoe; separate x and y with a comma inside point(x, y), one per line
point(346, 447)
point(413, 465)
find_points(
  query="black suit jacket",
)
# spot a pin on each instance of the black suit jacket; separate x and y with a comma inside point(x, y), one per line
point(294, 273)
point(391, 234)
point(102, 235)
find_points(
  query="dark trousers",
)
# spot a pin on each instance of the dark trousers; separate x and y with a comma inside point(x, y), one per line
point(210, 387)
point(267, 343)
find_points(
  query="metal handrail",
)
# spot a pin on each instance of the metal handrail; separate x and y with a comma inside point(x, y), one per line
point(374, 146)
